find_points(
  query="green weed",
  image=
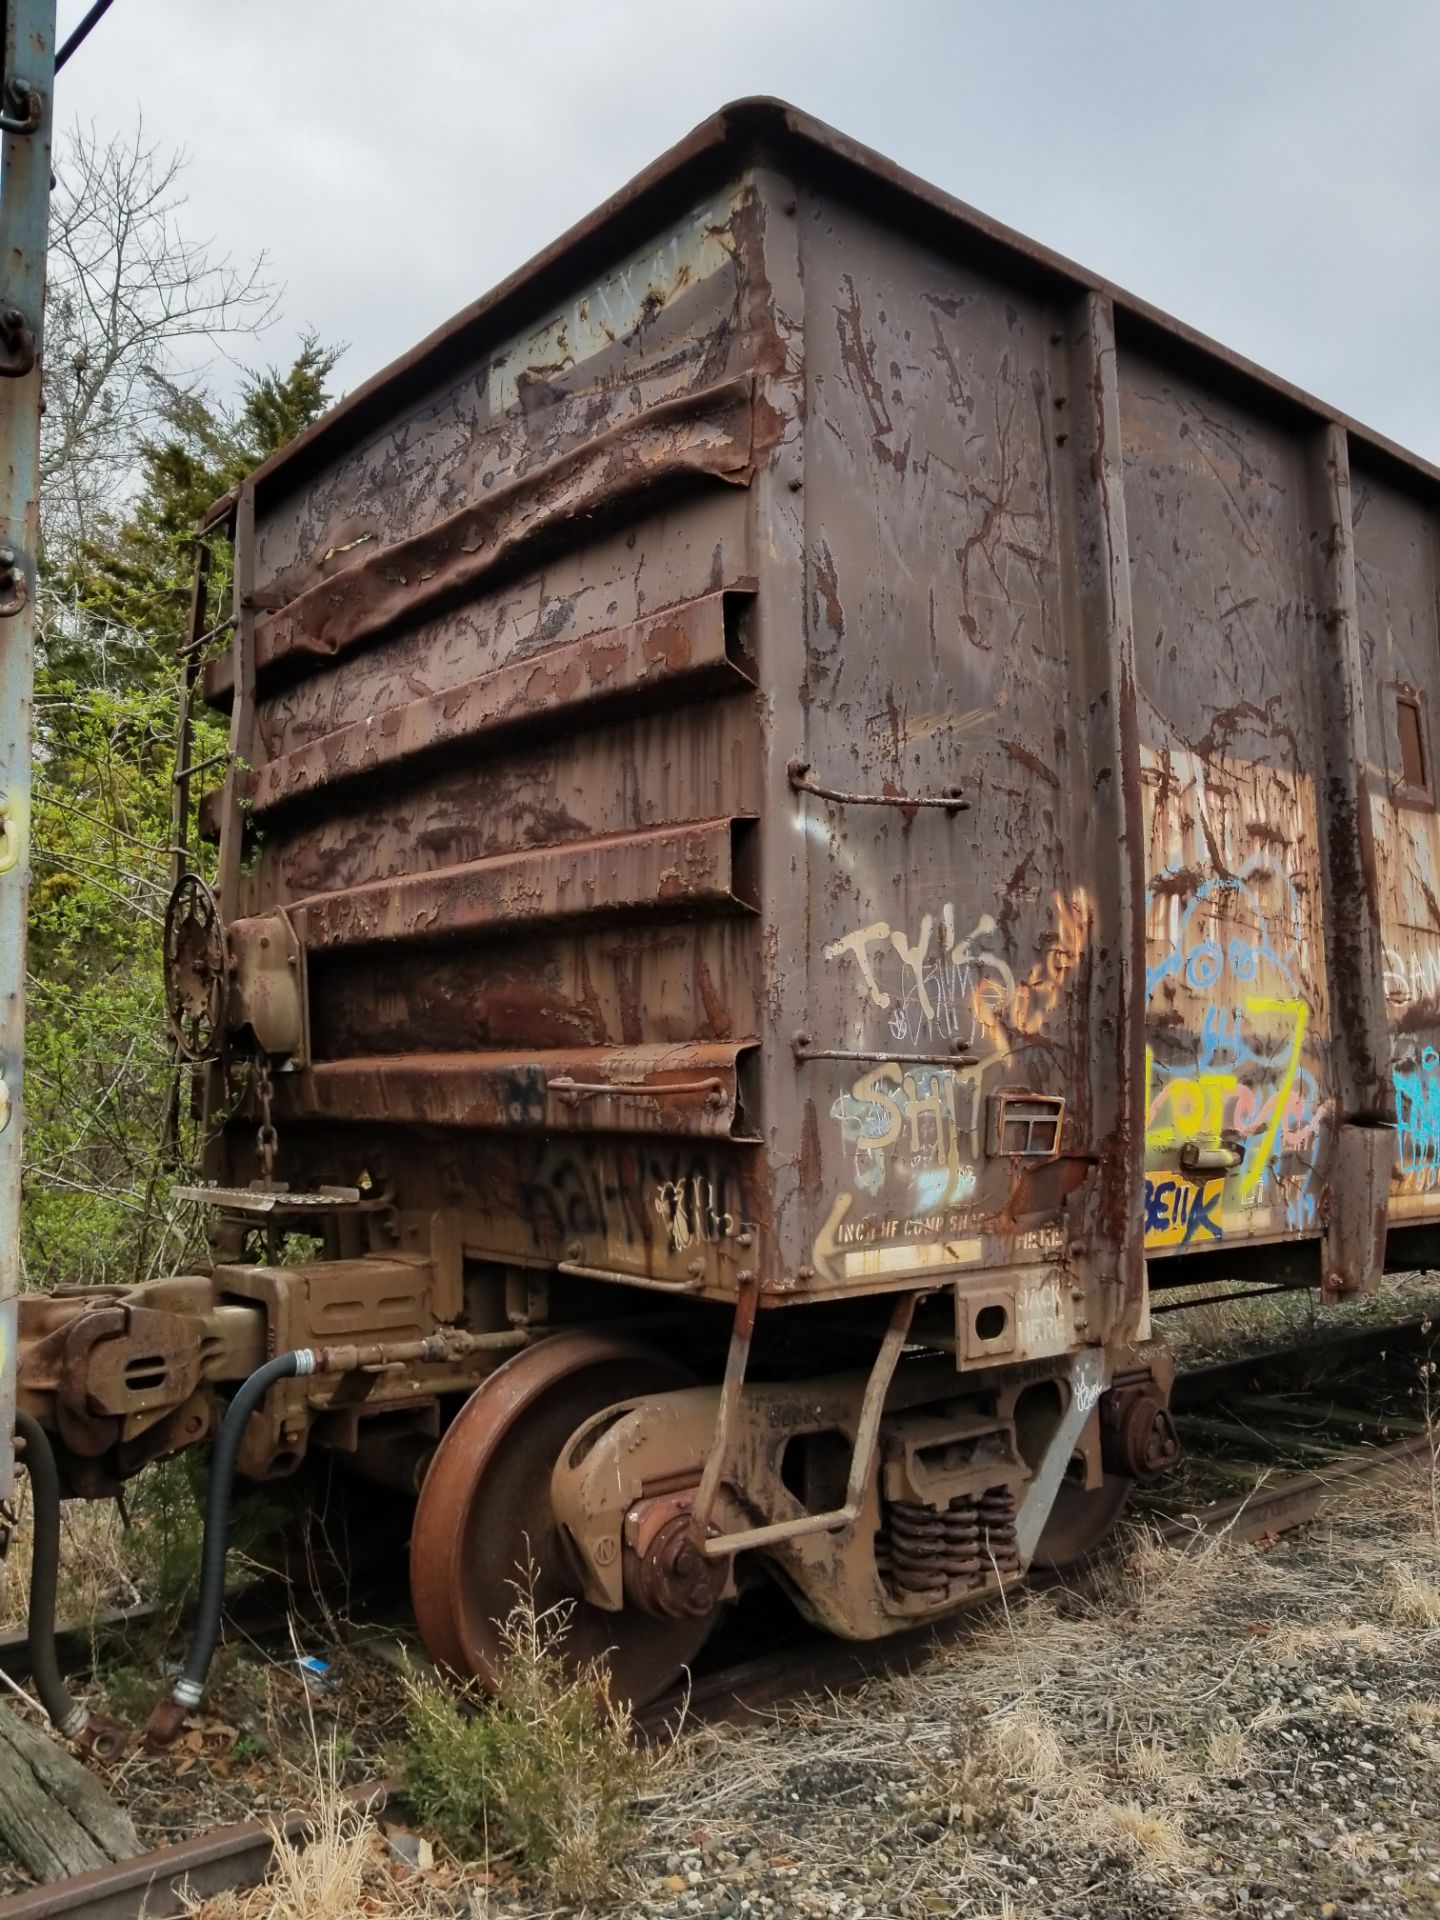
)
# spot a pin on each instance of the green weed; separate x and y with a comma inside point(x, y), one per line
point(547, 1770)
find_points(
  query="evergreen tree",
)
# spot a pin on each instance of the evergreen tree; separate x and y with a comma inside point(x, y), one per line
point(129, 584)
point(98, 1070)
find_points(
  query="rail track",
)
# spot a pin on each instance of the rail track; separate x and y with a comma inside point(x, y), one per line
point(1246, 1421)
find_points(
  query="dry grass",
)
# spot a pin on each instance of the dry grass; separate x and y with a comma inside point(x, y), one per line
point(1358, 1845)
point(1029, 1749)
point(1414, 1598)
point(1229, 1753)
point(1118, 1729)
point(1242, 1325)
point(321, 1876)
point(94, 1574)
point(1146, 1835)
point(1300, 1640)
point(1173, 1584)
point(1104, 1734)
point(1116, 1738)
point(331, 1870)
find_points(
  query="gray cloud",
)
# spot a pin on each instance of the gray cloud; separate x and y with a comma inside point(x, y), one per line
point(1265, 171)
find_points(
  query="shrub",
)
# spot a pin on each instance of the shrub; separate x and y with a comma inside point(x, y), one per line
point(548, 1769)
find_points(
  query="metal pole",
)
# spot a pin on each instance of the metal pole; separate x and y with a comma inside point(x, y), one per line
point(25, 117)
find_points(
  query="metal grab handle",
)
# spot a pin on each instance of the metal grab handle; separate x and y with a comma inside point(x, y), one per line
point(572, 1092)
point(803, 1049)
point(801, 780)
point(1197, 1159)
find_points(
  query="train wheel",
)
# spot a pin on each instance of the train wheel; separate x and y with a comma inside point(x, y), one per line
point(1079, 1521)
point(484, 1518)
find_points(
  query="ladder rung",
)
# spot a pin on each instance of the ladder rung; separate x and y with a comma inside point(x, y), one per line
point(204, 639)
point(199, 766)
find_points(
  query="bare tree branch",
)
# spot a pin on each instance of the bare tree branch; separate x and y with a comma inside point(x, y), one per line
point(128, 290)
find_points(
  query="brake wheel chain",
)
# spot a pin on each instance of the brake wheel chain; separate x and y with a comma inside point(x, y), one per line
point(266, 1138)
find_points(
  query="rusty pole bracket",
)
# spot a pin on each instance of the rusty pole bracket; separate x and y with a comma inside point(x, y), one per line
point(17, 344)
point(24, 107)
point(14, 587)
point(804, 781)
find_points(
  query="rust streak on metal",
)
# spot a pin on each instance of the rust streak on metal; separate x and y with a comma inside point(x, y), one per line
point(629, 664)
point(668, 870)
point(708, 433)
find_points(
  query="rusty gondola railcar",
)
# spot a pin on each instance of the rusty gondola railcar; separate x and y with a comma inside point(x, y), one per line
point(817, 802)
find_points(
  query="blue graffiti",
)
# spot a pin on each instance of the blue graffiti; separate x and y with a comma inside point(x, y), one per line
point(1417, 1115)
point(1226, 1046)
point(1202, 965)
point(1226, 968)
point(1178, 1211)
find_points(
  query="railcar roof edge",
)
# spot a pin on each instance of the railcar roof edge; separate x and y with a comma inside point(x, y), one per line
point(764, 126)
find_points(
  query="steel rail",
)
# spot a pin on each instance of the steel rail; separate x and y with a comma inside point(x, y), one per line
point(270, 1605)
point(156, 1885)
point(168, 1883)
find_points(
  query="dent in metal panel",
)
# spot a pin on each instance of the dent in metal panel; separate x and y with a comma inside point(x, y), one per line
point(690, 1089)
point(573, 679)
point(541, 794)
point(688, 549)
point(453, 446)
point(711, 432)
point(696, 864)
point(688, 982)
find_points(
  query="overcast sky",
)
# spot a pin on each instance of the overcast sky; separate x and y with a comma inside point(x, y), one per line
point(1268, 171)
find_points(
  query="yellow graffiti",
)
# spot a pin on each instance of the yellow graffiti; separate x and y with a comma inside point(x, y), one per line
point(1179, 1212)
point(827, 1243)
point(1193, 1105)
point(1196, 1105)
point(1297, 1011)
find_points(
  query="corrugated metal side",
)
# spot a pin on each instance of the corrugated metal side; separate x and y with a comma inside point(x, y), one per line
point(505, 777)
point(1237, 1009)
point(964, 1106)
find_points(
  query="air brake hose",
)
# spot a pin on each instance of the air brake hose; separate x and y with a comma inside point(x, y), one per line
point(189, 1689)
point(67, 1716)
